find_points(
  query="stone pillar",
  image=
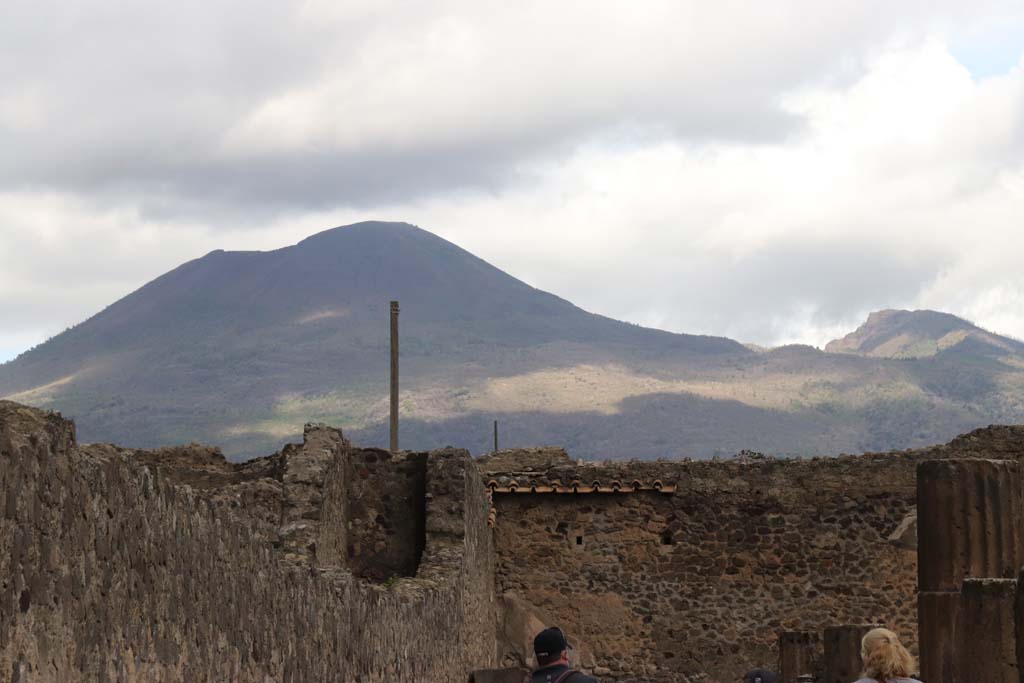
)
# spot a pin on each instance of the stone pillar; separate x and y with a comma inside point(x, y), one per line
point(800, 652)
point(987, 634)
point(969, 525)
point(936, 633)
point(842, 652)
point(968, 522)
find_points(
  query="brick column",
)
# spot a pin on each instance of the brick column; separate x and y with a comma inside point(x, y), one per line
point(842, 652)
point(987, 634)
point(969, 525)
point(800, 652)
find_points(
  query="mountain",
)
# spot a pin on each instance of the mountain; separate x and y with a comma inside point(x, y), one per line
point(918, 334)
point(240, 349)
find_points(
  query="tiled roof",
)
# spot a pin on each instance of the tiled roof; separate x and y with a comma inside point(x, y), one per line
point(576, 486)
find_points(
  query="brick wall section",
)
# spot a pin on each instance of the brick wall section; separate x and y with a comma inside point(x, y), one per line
point(386, 513)
point(112, 572)
point(697, 584)
point(303, 477)
point(332, 543)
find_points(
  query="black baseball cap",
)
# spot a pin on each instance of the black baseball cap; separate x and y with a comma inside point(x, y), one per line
point(551, 641)
point(760, 676)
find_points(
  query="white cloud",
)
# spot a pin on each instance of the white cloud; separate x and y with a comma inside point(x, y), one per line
point(792, 241)
point(63, 258)
point(768, 171)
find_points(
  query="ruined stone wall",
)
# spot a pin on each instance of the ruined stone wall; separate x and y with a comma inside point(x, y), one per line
point(386, 513)
point(114, 570)
point(173, 564)
point(698, 583)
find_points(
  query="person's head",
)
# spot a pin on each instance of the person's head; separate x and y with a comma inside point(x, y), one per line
point(884, 655)
point(760, 676)
point(551, 647)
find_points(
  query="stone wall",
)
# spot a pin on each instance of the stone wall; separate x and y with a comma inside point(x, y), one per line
point(386, 503)
point(696, 583)
point(328, 562)
point(116, 569)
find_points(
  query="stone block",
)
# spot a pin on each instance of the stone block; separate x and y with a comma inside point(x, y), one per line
point(800, 652)
point(969, 514)
point(842, 652)
point(499, 676)
point(986, 632)
point(937, 613)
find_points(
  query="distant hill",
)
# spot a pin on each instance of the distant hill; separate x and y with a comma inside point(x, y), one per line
point(241, 348)
point(918, 334)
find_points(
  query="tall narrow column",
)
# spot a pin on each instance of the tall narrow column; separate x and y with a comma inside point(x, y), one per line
point(986, 632)
point(495, 436)
point(394, 376)
point(969, 526)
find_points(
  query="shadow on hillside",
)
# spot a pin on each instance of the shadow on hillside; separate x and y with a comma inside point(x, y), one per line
point(685, 425)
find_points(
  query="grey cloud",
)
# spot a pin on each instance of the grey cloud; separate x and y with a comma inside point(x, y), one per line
point(171, 168)
point(37, 307)
point(135, 100)
point(132, 105)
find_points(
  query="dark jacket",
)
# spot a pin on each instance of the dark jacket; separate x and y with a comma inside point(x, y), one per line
point(550, 674)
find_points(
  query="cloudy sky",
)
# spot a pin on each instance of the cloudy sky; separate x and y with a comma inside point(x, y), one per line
point(766, 171)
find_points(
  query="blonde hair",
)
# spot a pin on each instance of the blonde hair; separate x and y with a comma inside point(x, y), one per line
point(884, 655)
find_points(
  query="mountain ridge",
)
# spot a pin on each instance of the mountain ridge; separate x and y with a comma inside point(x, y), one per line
point(232, 288)
point(241, 348)
point(894, 333)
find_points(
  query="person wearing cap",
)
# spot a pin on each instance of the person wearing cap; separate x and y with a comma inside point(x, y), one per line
point(552, 652)
point(760, 676)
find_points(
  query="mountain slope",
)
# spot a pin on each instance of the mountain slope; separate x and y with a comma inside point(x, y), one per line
point(228, 335)
point(241, 349)
point(340, 280)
